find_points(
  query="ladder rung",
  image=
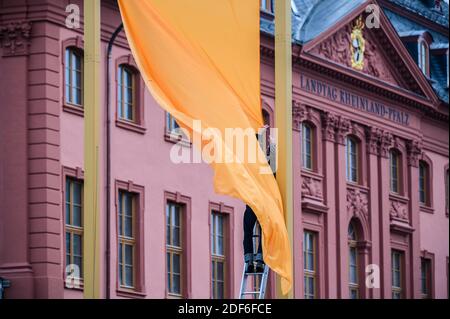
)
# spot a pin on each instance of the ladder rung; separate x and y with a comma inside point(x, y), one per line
point(254, 273)
point(251, 293)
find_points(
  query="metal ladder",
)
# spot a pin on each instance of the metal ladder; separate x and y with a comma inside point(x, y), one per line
point(261, 292)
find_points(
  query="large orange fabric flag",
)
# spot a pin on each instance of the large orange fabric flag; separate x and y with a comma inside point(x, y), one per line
point(200, 60)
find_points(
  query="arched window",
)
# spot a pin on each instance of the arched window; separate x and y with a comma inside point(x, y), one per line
point(395, 171)
point(73, 75)
point(126, 93)
point(353, 262)
point(424, 183)
point(423, 57)
point(352, 159)
point(307, 146)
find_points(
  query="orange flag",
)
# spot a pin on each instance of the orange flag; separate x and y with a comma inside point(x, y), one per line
point(200, 60)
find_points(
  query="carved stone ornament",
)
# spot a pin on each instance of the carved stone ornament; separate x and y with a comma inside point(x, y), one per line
point(385, 143)
point(398, 211)
point(15, 38)
point(358, 45)
point(342, 128)
point(353, 48)
point(298, 115)
point(329, 123)
point(357, 203)
point(373, 137)
point(414, 151)
point(311, 187)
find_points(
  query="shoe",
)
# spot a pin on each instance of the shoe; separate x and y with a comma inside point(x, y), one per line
point(249, 268)
point(259, 266)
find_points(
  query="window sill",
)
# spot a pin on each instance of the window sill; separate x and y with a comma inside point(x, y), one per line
point(131, 126)
point(426, 209)
point(129, 293)
point(399, 197)
point(357, 185)
point(174, 296)
point(74, 109)
point(311, 173)
point(312, 205)
point(177, 139)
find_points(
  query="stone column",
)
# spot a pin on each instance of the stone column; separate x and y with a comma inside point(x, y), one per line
point(342, 128)
point(373, 138)
point(414, 151)
point(44, 167)
point(297, 116)
point(364, 255)
point(384, 217)
point(328, 136)
point(14, 257)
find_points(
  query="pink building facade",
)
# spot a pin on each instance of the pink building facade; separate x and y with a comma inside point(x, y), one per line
point(370, 162)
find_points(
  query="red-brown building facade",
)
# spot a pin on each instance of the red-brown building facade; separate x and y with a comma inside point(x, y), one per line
point(370, 142)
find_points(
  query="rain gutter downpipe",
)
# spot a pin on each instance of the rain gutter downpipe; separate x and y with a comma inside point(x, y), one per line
point(108, 159)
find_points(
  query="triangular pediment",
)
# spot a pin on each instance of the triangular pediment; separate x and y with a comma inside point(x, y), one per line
point(384, 56)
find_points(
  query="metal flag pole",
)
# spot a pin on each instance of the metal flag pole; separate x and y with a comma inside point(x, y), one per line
point(91, 220)
point(283, 113)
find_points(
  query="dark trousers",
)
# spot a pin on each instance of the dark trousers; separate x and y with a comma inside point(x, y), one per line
point(249, 224)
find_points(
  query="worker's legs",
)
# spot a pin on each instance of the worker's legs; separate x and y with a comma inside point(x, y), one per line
point(249, 225)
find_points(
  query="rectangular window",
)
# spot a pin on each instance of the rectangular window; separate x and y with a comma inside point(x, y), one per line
point(74, 227)
point(126, 94)
point(423, 55)
point(426, 280)
point(172, 125)
point(397, 274)
point(307, 146)
point(394, 164)
point(218, 255)
point(73, 76)
point(351, 157)
point(353, 271)
point(423, 178)
point(127, 239)
point(310, 264)
point(174, 249)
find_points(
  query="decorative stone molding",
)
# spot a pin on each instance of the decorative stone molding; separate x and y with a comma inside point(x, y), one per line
point(364, 246)
point(298, 115)
point(343, 126)
point(414, 149)
point(312, 187)
point(302, 113)
point(385, 144)
point(15, 38)
point(329, 122)
point(357, 203)
point(337, 48)
point(398, 211)
point(373, 137)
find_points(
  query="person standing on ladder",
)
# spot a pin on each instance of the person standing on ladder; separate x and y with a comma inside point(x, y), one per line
point(255, 262)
